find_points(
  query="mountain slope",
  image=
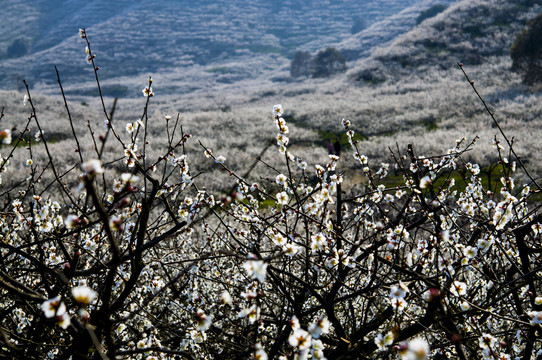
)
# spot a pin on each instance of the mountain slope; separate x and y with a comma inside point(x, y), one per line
point(405, 91)
point(472, 32)
point(136, 37)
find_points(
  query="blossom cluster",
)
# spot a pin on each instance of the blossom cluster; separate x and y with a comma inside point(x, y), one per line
point(418, 260)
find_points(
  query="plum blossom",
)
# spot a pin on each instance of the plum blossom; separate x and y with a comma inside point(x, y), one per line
point(282, 198)
point(92, 167)
point(417, 349)
point(203, 320)
point(487, 341)
point(536, 317)
point(300, 339)
point(259, 353)
point(317, 350)
point(277, 110)
point(84, 295)
point(458, 288)
point(321, 326)
point(425, 182)
point(397, 292)
point(256, 269)
point(225, 298)
point(71, 221)
point(252, 313)
point(5, 136)
point(382, 341)
point(64, 320)
point(53, 307)
point(147, 91)
point(281, 179)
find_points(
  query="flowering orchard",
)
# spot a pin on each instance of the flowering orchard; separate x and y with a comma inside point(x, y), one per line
point(147, 264)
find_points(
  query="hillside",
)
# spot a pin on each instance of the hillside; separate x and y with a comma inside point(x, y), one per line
point(472, 32)
point(407, 89)
point(140, 37)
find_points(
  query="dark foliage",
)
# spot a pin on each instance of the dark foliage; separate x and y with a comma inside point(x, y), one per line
point(302, 64)
point(526, 51)
point(328, 62)
point(431, 12)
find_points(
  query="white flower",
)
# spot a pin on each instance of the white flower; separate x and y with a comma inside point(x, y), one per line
point(318, 242)
point(279, 239)
point(260, 353)
point(536, 317)
point(282, 198)
point(282, 140)
point(203, 320)
point(384, 340)
point(147, 92)
point(92, 167)
point(398, 303)
point(115, 223)
point(186, 178)
point(5, 136)
point(300, 339)
point(294, 323)
point(317, 350)
point(225, 298)
point(281, 179)
point(277, 110)
point(128, 178)
point(256, 269)
point(470, 252)
point(220, 159)
point(252, 313)
point(84, 295)
point(487, 341)
point(64, 320)
point(459, 288)
point(290, 249)
point(418, 349)
point(425, 182)
point(321, 326)
point(398, 292)
point(53, 307)
point(130, 127)
point(120, 328)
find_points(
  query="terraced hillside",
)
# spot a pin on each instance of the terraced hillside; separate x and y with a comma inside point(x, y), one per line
point(142, 37)
point(403, 87)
